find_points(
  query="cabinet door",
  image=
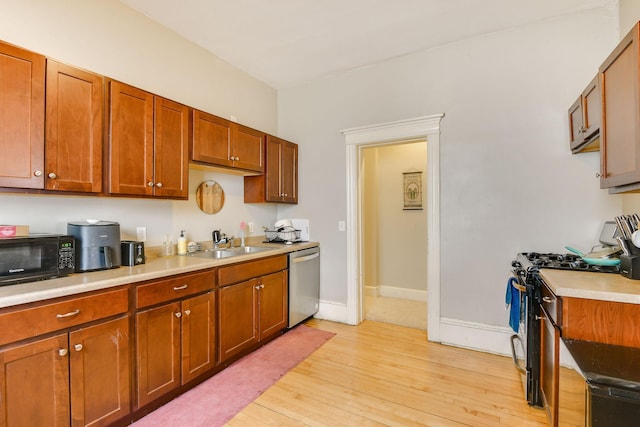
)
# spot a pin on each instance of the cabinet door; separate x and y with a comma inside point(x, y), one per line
point(620, 146)
point(198, 336)
point(171, 149)
point(289, 171)
point(100, 373)
point(246, 148)
point(592, 107)
point(273, 304)
point(22, 118)
point(211, 139)
point(34, 384)
point(131, 141)
point(576, 128)
point(73, 143)
point(549, 365)
point(273, 190)
point(238, 320)
point(158, 348)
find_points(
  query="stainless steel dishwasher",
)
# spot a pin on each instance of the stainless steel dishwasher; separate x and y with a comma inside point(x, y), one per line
point(304, 284)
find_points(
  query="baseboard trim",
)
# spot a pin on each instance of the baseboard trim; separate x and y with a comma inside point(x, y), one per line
point(476, 336)
point(403, 293)
point(333, 311)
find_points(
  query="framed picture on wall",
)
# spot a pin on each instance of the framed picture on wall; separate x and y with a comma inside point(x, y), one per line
point(412, 184)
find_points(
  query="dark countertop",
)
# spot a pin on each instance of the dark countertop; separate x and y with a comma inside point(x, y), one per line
point(606, 364)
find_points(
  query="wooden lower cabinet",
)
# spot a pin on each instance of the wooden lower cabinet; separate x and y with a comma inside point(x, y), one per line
point(175, 344)
point(549, 368)
point(251, 311)
point(78, 379)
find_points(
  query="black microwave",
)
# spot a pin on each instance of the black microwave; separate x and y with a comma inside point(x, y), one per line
point(36, 257)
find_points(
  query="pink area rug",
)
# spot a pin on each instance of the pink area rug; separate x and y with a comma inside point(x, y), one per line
point(218, 399)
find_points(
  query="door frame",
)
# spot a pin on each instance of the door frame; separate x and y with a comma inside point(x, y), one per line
point(426, 127)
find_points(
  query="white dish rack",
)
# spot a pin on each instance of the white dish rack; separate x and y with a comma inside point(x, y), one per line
point(282, 236)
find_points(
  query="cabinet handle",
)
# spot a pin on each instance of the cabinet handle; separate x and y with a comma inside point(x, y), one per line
point(69, 314)
point(52, 175)
point(539, 317)
point(159, 185)
point(180, 288)
point(37, 173)
point(547, 299)
point(78, 347)
point(187, 312)
point(178, 314)
point(150, 184)
point(257, 287)
point(62, 352)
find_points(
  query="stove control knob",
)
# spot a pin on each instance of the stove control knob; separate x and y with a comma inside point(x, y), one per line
point(515, 264)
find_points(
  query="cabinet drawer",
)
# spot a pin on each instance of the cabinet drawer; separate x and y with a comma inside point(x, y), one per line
point(247, 270)
point(175, 287)
point(551, 304)
point(35, 321)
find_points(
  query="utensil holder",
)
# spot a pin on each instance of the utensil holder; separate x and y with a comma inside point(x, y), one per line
point(630, 266)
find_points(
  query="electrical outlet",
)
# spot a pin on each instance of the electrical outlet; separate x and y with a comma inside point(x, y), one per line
point(141, 233)
point(342, 226)
point(250, 226)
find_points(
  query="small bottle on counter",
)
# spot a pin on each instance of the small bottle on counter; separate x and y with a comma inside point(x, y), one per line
point(182, 243)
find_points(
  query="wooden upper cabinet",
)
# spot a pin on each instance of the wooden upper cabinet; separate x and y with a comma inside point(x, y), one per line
point(131, 141)
point(246, 149)
point(584, 119)
point(279, 183)
point(211, 139)
point(74, 129)
point(148, 144)
point(22, 85)
point(620, 143)
point(171, 149)
point(219, 142)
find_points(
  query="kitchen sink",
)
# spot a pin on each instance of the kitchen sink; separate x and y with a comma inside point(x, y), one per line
point(249, 249)
point(229, 252)
point(214, 254)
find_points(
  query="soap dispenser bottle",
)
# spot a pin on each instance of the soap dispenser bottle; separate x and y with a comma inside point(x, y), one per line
point(182, 244)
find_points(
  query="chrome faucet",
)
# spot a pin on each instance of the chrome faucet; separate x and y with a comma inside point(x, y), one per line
point(220, 238)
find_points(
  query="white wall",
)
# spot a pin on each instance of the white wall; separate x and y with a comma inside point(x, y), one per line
point(109, 38)
point(508, 180)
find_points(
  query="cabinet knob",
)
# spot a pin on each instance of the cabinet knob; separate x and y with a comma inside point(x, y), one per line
point(598, 175)
point(52, 175)
point(187, 312)
point(78, 347)
point(62, 352)
point(150, 184)
point(159, 185)
point(37, 173)
point(178, 314)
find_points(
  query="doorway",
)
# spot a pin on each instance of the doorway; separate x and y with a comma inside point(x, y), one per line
point(394, 233)
point(356, 139)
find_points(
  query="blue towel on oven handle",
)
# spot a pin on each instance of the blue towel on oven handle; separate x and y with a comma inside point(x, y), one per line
point(513, 299)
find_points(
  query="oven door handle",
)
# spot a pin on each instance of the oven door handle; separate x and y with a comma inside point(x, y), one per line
point(513, 353)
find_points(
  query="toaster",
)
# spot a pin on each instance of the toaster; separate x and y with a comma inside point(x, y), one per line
point(132, 252)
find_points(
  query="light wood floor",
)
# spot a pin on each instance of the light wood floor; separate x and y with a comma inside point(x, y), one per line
point(377, 374)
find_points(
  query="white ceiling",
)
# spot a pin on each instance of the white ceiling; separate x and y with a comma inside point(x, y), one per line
point(285, 43)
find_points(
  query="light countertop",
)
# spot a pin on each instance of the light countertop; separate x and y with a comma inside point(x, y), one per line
point(596, 286)
point(154, 268)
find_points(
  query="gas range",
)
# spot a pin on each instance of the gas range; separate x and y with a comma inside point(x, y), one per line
point(535, 261)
